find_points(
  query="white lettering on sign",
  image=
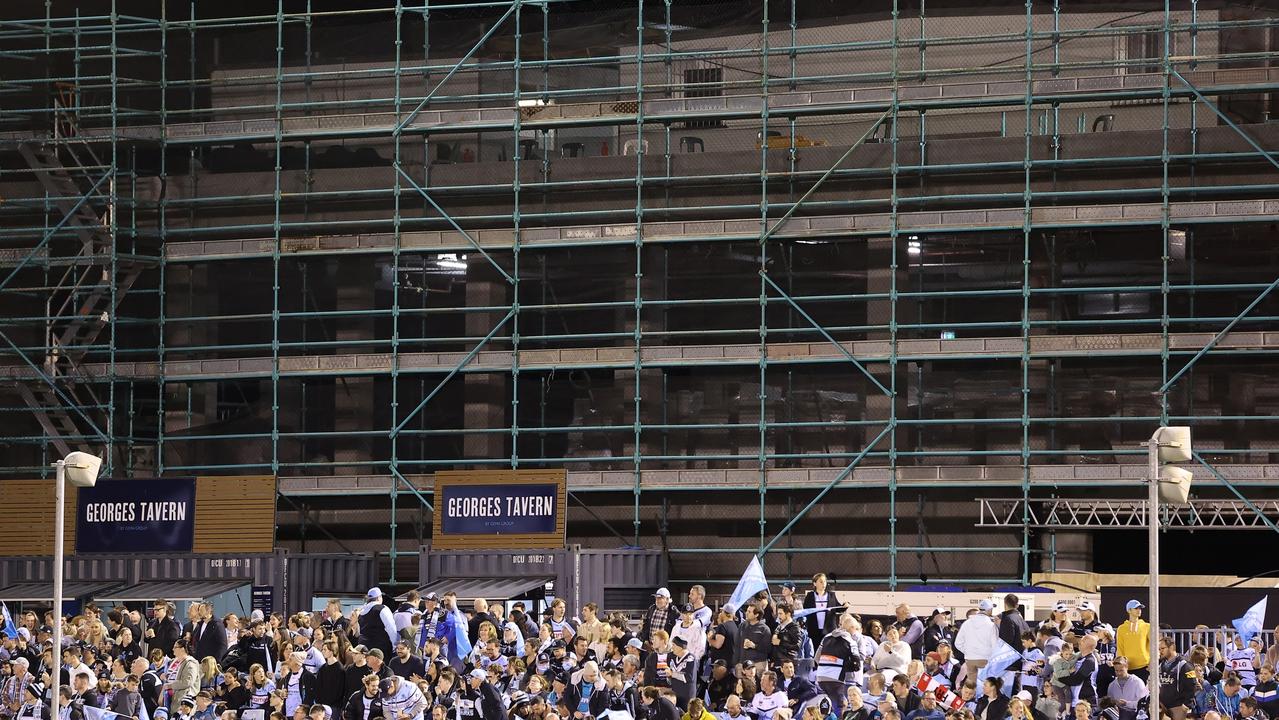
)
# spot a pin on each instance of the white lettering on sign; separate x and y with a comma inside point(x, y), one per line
point(118, 512)
point(532, 506)
point(537, 506)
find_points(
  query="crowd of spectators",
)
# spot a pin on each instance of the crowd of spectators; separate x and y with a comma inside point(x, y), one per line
point(777, 657)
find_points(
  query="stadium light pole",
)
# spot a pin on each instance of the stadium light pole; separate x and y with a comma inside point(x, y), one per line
point(1172, 484)
point(82, 470)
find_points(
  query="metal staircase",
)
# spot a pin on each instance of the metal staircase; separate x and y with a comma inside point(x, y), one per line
point(81, 301)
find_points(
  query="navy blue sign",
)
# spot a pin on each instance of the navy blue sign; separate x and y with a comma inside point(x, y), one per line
point(499, 509)
point(136, 516)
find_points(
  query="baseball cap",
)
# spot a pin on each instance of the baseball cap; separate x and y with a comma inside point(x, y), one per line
point(680, 642)
point(385, 685)
point(720, 663)
point(985, 605)
point(663, 592)
point(635, 643)
point(1085, 605)
point(938, 611)
point(686, 608)
point(435, 598)
point(374, 594)
point(1025, 696)
point(377, 653)
point(1061, 607)
point(788, 584)
point(256, 616)
point(543, 658)
point(22, 661)
point(519, 697)
point(24, 633)
point(728, 608)
point(943, 641)
point(1133, 605)
point(478, 674)
point(361, 649)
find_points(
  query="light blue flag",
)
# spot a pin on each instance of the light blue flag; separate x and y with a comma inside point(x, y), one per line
point(1000, 660)
point(752, 582)
point(801, 614)
point(93, 713)
point(459, 643)
point(1252, 621)
point(10, 630)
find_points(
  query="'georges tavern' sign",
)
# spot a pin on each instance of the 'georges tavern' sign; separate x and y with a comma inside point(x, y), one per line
point(508, 509)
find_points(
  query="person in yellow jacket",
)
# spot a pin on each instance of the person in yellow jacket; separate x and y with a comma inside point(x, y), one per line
point(1132, 640)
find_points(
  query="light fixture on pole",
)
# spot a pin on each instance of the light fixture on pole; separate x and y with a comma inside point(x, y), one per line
point(1168, 484)
point(81, 470)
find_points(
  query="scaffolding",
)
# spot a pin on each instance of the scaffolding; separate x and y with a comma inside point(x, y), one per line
point(817, 259)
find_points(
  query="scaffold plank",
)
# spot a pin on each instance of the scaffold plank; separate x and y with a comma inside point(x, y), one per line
point(873, 351)
point(1112, 475)
point(826, 226)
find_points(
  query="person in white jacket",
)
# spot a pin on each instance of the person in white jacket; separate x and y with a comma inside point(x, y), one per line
point(692, 631)
point(976, 638)
point(893, 655)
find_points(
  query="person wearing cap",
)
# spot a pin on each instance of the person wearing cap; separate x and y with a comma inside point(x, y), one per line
point(692, 631)
point(299, 683)
point(1059, 619)
point(1088, 621)
point(634, 649)
point(14, 687)
point(376, 624)
point(659, 615)
point(939, 629)
point(1011, 623)
point(33, 706)
point(682, 667)
point(184, 710)
point(356, 669)
point(402, 700)
point(976, 638)
point(431, 620)
point(720, 685)
point(488, 702)
point(1132, 640)
point(578, 695)
point(377, 663)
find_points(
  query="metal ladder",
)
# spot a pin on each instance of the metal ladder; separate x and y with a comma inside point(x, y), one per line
point(81, 303)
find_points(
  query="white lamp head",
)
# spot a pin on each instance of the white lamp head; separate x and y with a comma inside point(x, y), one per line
point(82, 469)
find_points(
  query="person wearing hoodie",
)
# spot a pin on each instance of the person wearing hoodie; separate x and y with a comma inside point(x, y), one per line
point(976, 638)
point(376, 624)
point(838, 657)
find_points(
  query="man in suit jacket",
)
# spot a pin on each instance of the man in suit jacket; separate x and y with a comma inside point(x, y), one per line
point(208, 635)
point(186, 681)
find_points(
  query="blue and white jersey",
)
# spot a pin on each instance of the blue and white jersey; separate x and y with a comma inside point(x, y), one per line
point(1242, 660)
